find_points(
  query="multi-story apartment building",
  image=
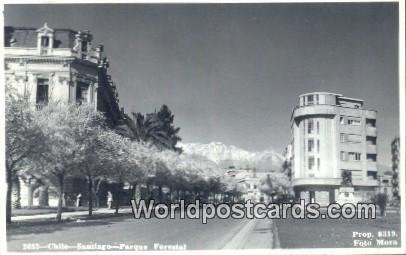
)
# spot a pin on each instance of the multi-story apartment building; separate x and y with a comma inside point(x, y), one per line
point(47, 64)
point(332, 133)
point(62, 65)
point(395, 148)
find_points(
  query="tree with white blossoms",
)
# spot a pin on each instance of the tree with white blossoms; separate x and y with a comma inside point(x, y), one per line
point(188, 174)
point(24, 140)
point(126, 161)
point(91, 134)
point(65, 126)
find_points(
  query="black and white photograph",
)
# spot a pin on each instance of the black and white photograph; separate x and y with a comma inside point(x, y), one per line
point(203, 128)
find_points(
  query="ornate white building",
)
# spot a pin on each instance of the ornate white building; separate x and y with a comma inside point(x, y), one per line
point(62, 65)
point(45, 64)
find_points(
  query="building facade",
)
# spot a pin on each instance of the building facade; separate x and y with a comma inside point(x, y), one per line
point(331, 133)
point(61, 65)
point(249, 182)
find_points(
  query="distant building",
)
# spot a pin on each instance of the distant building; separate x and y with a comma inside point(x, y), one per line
point(249, 181)
point(395, 148)
point(332, 133)
point(45, 64)
point(59, 64)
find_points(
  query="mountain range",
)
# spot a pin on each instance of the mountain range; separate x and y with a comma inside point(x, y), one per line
point(226, 156)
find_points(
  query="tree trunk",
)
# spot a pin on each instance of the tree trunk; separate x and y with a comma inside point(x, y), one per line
point(96, 197)
point(148, 193)
point(116, 200)
point(43, 196)
point(90, 194)
point(8, 199)
point(30, 194)
point(160, 194)
point(32, 185)
point(60, 199)
point(16, 193)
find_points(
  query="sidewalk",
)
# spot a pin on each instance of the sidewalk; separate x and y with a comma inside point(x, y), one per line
point(255, 234)
point(69, 215)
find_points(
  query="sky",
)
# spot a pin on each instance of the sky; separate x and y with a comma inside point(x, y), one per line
point(233, 72)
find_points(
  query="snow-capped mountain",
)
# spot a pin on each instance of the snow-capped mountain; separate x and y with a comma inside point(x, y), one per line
point(228, 155)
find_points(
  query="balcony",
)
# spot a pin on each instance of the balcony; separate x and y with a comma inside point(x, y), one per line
point(317, 109)
point(371, 149)
point(371, 165)
point(92, 56)
point(316, 181)
point(371, 131)
point(370, 114)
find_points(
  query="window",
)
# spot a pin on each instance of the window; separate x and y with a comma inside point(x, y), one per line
point(310, 126)
point(343, 155)
point(311, 163)
point(42, 91)
point(350, 121)
point(310, 145)
point(343, 138)
point(318, 164)
point(371, 140)
point(370, 122)
point(371, 157)
point(81, 92)
point(318, 127)
point(310, 100)
point(354, 138)
point(83, 46)
point(317, 99)
point(354, 122)
point(44, 41)
point(371, 175)
point(318, 146)
point(354, 156)
point(351, 138)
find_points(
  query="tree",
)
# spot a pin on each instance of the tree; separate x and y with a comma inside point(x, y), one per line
point(126, 160)
point(346, 178)
point(65, 126)
point(166, 117)
point(287, 168)
point(91, 165)
point(156, 128)
point(276, 183)
point(23, 140)
point(381, 200)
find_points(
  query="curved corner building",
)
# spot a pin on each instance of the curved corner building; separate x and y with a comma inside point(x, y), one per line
point(332, 133)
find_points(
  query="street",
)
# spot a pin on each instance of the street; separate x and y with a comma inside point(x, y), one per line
point(126, 233)
point(153, 233)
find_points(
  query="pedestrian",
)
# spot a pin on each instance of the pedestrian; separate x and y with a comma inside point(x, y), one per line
point(109, 199)
point(79, 200)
